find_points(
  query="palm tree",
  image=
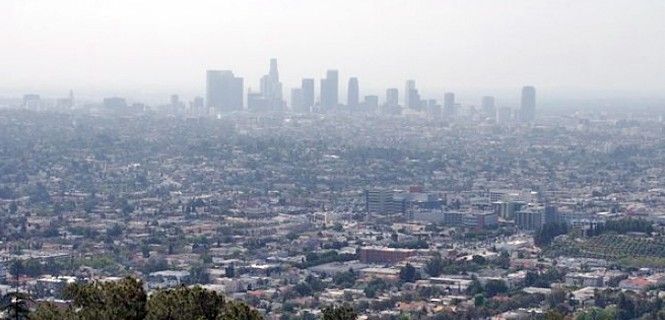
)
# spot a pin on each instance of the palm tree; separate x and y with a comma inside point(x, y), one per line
point(15, 305)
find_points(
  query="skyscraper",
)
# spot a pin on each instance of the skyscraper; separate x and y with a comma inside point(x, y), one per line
point(503, 115)
point(449, 108)
point(391, 105)
point(353, 93)
point(297, 101)
point(307, 93)
point(488, 106)
point(196, 107)
point(409, 91)
point(330, 90)
point(528, 105)
point(392, 97)
point(224, 91)
point(270, 96)
point(371, 104)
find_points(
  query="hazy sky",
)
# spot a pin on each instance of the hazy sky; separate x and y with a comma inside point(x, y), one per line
point(164, 45)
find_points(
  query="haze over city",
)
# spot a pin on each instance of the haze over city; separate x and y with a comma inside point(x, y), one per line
point(332, 160)
point(150, 48)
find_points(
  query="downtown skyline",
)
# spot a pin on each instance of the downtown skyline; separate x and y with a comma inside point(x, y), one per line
point(100, 49)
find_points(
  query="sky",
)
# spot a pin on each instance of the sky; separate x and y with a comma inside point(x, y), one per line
point(159, 46)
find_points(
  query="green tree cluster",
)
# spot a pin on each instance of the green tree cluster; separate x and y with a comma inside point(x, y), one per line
point(126, 300)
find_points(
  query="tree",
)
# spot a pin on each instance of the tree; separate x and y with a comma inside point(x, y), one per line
point(344, 312)
point(230, 271)
point(15, 305)
point(548, 232)
point(434, 267)
point(345, 279)
point(408, 273)
point(598, 314)
point(39, 194)
point(475, 287)
point(503, 260)
point(374, 285)
point(126, 300)
point(479, 300)
point(13, 208)
point(303, 289)
point(185, 303)
point(553, 315)
point(494, 287)
point(478, 259)
point(49, 311)
point(558, 296)
point(114, 231)
point(238, 311)
point(112, 300)
point(199, 274)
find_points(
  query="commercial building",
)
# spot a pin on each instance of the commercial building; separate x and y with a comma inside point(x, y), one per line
point(224, 91)
point(353, 93)
point(528, 104)
point(330, 90)
point(384, 255)
point(384, 202)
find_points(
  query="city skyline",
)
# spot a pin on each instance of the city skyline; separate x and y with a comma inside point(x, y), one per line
point(476, 45)
point(332, 159)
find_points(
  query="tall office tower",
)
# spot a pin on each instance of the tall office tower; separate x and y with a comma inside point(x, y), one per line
point(392, 97)
point(409, 90)
point(371, 104)
point(528, 105)
point(196, 107)
point(449, 108)
point(297, 101)
point(308, 94)
point(270, 96)
point(353, 93)
point(330, 90)
point(433, 109)
point(391, 105)
point(488, 106)
point(503, 115)
point(224, 91)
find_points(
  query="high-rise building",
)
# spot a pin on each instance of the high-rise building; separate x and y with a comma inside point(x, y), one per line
point(115, 103)
point(330, 90)
point(196, 107)
point(175, 106)
point(488, 107)
point(271, 91)
point(449, 108)
point(391, 105)
point(308, 94)
point(392, 97)
point(224, 91)
point(433, 109)
point(297, 101)
point(384, 202)
point(503, 115)
point(371, 104)
point(353, 93)
point(529, 219)
point(411, 98)
point(528, 104)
